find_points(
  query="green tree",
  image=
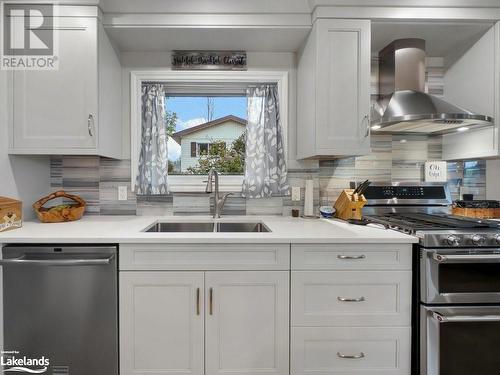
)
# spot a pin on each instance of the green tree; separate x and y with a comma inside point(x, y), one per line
point(226, 160)
point(171, 121)
point(170, 167)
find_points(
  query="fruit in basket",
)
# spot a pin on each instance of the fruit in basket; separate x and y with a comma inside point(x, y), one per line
point(60, 207)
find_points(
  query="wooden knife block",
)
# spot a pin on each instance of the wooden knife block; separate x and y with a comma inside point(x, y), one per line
point(349, 205)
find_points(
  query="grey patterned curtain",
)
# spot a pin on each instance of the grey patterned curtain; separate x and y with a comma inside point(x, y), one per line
point(265, 166)
point(153, 159)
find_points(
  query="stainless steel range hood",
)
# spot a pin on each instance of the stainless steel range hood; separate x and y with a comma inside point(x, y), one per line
point(403, 105)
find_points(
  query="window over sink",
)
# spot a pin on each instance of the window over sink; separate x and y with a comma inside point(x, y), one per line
point(207, 113)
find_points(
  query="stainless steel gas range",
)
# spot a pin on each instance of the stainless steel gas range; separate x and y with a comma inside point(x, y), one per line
point(456, 279)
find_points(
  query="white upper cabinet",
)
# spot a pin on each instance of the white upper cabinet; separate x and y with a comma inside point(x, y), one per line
point(473, 82)
point(333, 102)
point(75, 109)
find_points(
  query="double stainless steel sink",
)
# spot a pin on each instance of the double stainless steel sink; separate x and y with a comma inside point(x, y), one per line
point(218, 226)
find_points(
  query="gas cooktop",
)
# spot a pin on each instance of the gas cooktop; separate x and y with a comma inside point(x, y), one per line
point(422, 210)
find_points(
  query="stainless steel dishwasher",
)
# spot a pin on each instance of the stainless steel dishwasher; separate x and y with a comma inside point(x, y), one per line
point(60, 303)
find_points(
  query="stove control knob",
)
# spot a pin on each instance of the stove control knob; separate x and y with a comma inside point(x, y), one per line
point(478, 240)
point(453, 240)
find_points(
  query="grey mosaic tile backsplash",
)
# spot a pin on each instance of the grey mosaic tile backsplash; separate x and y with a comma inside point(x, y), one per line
point(394, 159)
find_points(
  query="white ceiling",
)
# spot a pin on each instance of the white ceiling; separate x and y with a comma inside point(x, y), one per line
point(442, 38)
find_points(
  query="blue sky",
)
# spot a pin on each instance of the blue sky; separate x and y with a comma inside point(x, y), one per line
point(192, 111)
point(189, 108)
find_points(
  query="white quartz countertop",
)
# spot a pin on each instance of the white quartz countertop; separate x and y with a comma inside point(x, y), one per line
point(129, 229)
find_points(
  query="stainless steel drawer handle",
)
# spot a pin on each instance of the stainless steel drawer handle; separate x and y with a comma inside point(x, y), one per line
point(351, 356)
point(344, 299)
point(346, 257)
point(55, 262)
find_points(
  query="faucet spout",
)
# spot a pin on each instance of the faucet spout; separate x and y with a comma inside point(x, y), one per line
point(213, 176)
point(208, 188)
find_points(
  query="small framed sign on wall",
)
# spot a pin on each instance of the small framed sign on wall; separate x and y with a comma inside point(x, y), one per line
point(436, 171)
point(209, 60)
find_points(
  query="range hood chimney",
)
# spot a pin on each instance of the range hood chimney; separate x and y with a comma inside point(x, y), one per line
point(403, 105)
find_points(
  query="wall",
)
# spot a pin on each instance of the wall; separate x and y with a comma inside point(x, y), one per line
point(493, 179)
point(282, 61)
point(394, 159)
point(23, 177)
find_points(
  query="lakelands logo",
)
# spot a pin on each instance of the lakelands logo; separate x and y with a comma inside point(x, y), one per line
point(11, 361)
point(29, 36)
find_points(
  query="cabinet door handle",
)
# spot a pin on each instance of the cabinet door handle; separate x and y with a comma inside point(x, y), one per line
point(367, 129)
point(344, 299)
point(351, 356)
point(197, 301)
point(346, 257)
point(90, 125)
point(210, 300)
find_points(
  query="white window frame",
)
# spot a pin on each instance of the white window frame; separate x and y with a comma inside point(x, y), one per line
point(186, 183)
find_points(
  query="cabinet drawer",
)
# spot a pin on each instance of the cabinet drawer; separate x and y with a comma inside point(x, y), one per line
point(351, 257)
point(376, 351)
point(351, 298)
point(204, 257)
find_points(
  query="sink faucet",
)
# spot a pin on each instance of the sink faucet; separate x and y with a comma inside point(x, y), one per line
point(218, 201)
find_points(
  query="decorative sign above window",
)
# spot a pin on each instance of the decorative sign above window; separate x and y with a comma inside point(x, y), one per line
point(209, 60)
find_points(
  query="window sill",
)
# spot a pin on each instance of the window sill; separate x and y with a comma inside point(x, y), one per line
point(196, 184)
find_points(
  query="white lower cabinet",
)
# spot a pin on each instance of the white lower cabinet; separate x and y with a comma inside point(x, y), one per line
point(350, 351)
point(161, 323)
point(247, 323)
point(195, 323)
point(351, 309)
point(193, 310)
point(351, 298)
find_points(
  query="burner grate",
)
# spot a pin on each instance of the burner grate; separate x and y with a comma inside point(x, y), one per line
point(412, 222)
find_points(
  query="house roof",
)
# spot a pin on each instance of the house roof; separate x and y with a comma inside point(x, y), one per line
point(178, 135)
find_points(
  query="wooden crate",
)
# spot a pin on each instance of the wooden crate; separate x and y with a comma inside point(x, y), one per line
point(11, 214)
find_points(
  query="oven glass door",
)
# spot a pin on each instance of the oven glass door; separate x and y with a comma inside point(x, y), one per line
point(461, 340)
point(461, 276)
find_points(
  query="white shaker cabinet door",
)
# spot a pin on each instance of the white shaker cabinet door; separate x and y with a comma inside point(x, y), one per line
point(247, 325)
point(59, 108)
point(343, 87)
point(161, 323)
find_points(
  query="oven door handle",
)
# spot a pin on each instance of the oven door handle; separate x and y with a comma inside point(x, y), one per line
point(464, 318)
point(473, 258)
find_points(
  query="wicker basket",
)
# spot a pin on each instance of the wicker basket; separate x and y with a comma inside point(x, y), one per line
point(58, 214)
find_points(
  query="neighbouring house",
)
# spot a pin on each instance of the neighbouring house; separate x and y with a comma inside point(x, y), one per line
point(195, 141)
